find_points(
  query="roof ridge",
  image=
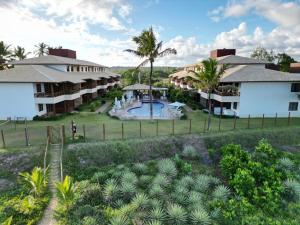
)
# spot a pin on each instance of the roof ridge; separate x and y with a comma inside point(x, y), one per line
point(43, 74)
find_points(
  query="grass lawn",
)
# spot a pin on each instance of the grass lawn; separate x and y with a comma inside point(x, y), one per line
point(15, 135)
point(91, 106)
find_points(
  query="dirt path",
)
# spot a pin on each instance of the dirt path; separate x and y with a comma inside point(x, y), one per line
point(48, 217)
point(104, 107)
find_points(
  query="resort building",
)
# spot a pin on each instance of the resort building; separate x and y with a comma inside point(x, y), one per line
point(51, 84)
point(248, 88)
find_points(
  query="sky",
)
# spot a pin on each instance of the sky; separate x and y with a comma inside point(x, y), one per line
point(100, 30)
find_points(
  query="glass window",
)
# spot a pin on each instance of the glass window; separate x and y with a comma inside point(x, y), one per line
point(38, 88)
point(41, 107)
point(235, 105)
point(295, 87)
point(293, 106)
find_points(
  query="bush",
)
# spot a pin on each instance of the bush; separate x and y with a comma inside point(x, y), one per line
point(190, 152)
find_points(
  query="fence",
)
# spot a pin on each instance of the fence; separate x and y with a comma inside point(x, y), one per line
point(35, 133)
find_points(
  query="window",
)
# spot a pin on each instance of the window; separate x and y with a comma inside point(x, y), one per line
point(293, 106)
point(235, 105)
point(38, 88)
point(68, 68)
point(78, 68)
point(295, 87)
point(41, 107)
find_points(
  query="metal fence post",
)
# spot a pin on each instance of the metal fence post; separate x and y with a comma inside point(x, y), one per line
point(289, 118)
point(63, 134)
point(3, 140)
point(190, 128)
point(234, 122)
point(122, 131)
point(140, 129)
point(275, 122)
point(83, 128)
point(220, 122)
point(263, 121)
point(26, 136)
point(103, 130)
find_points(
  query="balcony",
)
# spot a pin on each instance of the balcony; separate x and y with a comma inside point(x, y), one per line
point(221, 97)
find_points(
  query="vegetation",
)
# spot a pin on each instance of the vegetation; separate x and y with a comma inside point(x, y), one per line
point(19, 53)
point(41, 49)
point(151, 50)
point(209, 77)
point(90, 106)
point(185, 96)
point(4, 54)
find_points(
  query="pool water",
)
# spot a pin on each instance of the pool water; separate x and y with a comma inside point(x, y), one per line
point(144, 110)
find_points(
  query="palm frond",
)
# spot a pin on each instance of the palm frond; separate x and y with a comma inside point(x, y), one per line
point(168, 51)
point(144, 63)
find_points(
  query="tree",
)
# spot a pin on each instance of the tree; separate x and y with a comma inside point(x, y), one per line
point(131, 76)
point(147, 47)
point(284, 61)
point(41, 49)
point(19, 53)
point(262, 54)
point(208, 79)
point(5, 53)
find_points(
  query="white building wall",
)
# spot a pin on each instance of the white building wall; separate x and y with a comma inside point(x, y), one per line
point(269, 98)
point(17, 100)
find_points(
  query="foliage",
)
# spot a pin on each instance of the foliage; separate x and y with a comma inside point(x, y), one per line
point(41, 49)
point(112, 94)
point(176, 214)
point(5, 53)
point(188, 97)
point(200, 217)
point(8, 221)
point(65, 191)
point(36, 181)
point(262, 54)
point(190, 152)
point(19, 53)
point(284, 61)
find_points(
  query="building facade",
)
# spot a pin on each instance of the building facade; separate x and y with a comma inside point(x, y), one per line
point(248, 88)
point(52, 84)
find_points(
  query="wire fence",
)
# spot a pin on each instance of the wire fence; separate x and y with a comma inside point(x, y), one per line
point(35, 133)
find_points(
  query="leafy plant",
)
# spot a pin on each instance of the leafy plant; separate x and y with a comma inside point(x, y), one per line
point(190, 152)
point(176, 214)
point(292, 189)
point(110, 190)
point(65, 191)
point(8, 221)
point(140, 201)
point(158, 214)
point(286, 163)
point(202, 183)
point(200, 217)
point(119, 220)
point(36, 181)
point(221, 192)
point(167, 167)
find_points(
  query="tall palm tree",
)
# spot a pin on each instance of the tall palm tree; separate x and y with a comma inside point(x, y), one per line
point(5, 53)
point(41, 49)
point(150, 50)
point(19, 53)
point(208, 79)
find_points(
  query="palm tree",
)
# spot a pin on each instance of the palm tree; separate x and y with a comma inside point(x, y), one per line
point(41, 49)
point(65, 191)
point(208, 79)
point(5, 53)
point(19, 53)
point(148, 48)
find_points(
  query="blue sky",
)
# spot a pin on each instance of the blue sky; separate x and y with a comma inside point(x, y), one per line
point(101, 29)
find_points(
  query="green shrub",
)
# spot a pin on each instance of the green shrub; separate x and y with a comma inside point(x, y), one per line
point(190, 152)
point(65, 191)
point(167, 167)
point(200, 217)
point(176, 214)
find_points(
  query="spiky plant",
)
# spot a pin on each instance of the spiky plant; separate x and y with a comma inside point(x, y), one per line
point(154, 222)
point(286, 163)
point(129, 177)
point(167, 167)
point(155, 203)
point(202, 183)
point(65, 191)
point(179, 195)
point(118, 203)
point(200, 217)
point(141, 201)
point(145, 180)
point(8, 221)
point(36, 180)
point(140, 168)
point(186, 181)
point(176, 214)
point(119, 220)
point(292, 189)
point(99, 177)
point(221, 193)
point(157, 213)
point(215, 213)
point(110, 190)
point(214, 180)
point(161, 180)
point(156, 191)
point(128, 190)
point(195, 197)
point(190, 152)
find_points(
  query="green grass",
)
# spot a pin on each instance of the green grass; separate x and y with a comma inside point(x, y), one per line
point(90, 106)
point(15, 137)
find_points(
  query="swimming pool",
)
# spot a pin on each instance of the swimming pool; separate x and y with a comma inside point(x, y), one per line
point(144, 110)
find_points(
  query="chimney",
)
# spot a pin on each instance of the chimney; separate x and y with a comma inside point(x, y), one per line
point(295, 68)
point(62, 52)
point(221, 52)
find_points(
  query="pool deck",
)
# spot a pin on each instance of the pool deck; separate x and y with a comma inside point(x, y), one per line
point(123, 113)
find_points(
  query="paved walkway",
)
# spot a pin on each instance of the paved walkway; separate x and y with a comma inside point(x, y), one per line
point(103, 108)
point(54, 176)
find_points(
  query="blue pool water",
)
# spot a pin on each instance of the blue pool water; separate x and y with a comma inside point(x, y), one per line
point(144, 110)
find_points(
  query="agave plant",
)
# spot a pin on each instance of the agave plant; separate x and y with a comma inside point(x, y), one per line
point(161, 180)
point(110, 190)
point(202, 183)
point(140, 168)
point(195, 198)
point(286, 163)
point(180, 194)
point(65, 191)
point(119, 220)
point(155, 203)
point(215, 213)
point(99, 177)
point(186, 181)
point(128, 190)
point(145, 180)
point(176, 214)
point(157, 214)
point(200, 217)
point(141, 201)
point(190, 152)
point(36, 181)
point(221, 193)
point(292, 188)
point(118, 203)
point(156, 191)
point(154, 222)
point(167, 167)
point(129, 177)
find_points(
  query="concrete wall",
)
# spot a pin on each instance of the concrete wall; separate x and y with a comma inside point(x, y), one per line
point(17, 100)
point(257, 98)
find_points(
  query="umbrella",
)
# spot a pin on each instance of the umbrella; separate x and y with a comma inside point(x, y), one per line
point(177, 104)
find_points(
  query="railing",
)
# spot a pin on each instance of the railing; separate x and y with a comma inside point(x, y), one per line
point(61, 155)
point(55, 94)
